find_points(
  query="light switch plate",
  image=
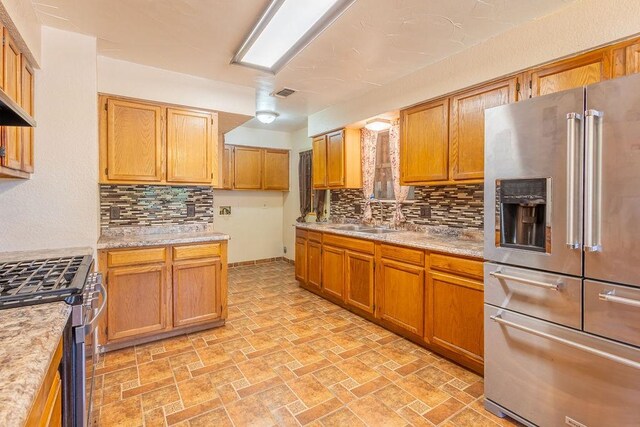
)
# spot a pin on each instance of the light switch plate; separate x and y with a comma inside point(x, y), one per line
point(225, 211)
point(191, 210)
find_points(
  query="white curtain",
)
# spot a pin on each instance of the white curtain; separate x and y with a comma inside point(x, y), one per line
point(401, 192)
point(368, 141)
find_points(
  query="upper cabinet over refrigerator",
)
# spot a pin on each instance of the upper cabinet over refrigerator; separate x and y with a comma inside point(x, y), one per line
point(612, 181)
point(532, 183)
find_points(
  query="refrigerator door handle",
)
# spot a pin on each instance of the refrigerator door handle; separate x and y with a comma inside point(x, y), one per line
point(574, 173)
point(593, 181)
point(627, 362)
point(500, 276)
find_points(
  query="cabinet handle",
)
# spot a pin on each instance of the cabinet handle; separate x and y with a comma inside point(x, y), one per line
point(610, 296)
point(578, 346)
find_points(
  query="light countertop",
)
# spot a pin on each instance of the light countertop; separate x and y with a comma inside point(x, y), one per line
point(436, 239)
point(131, 237)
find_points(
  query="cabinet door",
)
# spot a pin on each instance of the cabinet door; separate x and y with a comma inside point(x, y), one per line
point(424, 143)
point(276, 169)
point(314, 265)
point(319, 162)
point(301, 259)
point(571, 73)
point(190, 146)
point(400, 295)
point(135, 141)
point(466, 132)
point(333, 271)
point(12, 85)
point(359, 281)
point(196, 291)
point(632, 59)
point(227, 168)
point(247, 168)
point(26, 97)
point(335, 159)
point(454, 317)
point(137, 303)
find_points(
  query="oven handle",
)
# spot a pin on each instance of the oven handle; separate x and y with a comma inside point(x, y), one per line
point(501, 276)
point(89, 327)
point(574, 121)
point(587, 349)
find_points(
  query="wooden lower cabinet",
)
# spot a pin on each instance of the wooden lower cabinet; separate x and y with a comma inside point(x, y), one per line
point(46, 409)
point(314, 265)
point(196, 289)
point(433, 299)
point(137, 303)
point(400, 290)
point(333, 260)
point(160, 291)
point(454, 315)
point(359, 281)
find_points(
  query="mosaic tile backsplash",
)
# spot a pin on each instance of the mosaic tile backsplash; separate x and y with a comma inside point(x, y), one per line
point(457, 206)
point(146, 205)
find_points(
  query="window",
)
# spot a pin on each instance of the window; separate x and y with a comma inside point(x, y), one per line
point(383, 181)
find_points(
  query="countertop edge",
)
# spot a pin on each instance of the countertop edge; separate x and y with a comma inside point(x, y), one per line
point(127, 242)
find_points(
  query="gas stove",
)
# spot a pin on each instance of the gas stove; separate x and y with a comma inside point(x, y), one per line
point(43, 280)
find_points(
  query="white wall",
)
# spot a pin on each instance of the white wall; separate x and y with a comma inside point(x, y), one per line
point(257, 217)
point(140, 81)
point(299, 142)
point(58, 206)
point(579, 26)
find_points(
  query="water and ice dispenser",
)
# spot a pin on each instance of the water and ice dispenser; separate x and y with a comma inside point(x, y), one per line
point(523, 205)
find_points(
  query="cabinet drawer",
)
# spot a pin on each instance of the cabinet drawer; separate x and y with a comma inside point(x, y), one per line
point(358, 245)
point(196, 251)
point(462, 266)
point(410, 256)
point(301, 233)
point(314, 236)
point(612, 311)
point(136, 257)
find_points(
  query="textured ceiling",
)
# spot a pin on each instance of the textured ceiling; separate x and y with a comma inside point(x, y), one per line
point(372, 43)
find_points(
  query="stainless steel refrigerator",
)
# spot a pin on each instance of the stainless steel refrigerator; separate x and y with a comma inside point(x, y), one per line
point(562, 244)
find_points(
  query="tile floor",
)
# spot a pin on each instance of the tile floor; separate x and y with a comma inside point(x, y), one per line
point(285, 357)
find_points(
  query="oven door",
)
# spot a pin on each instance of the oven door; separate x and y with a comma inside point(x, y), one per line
point(538, 138)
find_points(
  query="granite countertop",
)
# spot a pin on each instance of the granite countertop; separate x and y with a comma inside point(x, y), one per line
point(437, 239)
point(131, 237)
point(44, 253)
point(29, 337)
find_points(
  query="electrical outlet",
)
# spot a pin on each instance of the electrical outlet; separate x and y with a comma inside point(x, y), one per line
point(225, 211)
point(191, 210)
point(357, 209)
point(425, 211)
point(114, 212)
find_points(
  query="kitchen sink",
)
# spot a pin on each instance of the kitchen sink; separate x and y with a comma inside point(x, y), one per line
point(351, 227)
point(378, 231)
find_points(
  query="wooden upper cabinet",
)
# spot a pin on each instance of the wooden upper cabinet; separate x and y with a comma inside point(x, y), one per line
point(424, 143)
point(335, 159)
point(247, 168)
point(625, 58)
point(134, 148)
point(570, 73)
point(227, 167)
point(26, 102)
point(196, 291)
point(275, 169)
point(12, 87)
point(319, 162)
point(190, 146)
point(466, 131)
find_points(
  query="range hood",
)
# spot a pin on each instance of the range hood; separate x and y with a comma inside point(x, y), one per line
point(11, 114)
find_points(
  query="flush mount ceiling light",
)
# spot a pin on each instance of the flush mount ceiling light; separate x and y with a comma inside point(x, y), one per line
point(378, 124)
point(266, 117)
point(284, 29)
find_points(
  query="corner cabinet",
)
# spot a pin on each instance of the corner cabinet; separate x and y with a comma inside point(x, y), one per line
point(149, 143)
point(337, 160)
point(255, 168)
point(432, 299)
point(183, 288)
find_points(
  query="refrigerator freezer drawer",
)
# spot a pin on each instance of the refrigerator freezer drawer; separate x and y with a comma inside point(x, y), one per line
point(552, 376)
point(547, 296)
point(612, 311)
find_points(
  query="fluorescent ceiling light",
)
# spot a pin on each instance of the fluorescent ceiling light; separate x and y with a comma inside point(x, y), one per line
point(378, 124)
point(285, 28)
point(266, 117)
